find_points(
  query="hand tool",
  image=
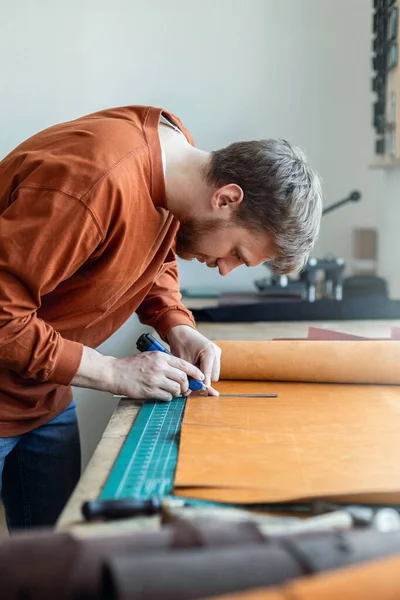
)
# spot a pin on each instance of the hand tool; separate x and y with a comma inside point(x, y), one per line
point(171, 509)
point(147, 343)
point(126, 508)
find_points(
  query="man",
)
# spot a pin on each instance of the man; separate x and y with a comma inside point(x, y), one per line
point(91, 214)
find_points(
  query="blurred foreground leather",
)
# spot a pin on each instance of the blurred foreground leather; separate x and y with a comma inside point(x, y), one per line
point(378, 580)
point(180, 562)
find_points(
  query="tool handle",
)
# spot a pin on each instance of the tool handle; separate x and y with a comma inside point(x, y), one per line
point(120, 509)
point(147, 343)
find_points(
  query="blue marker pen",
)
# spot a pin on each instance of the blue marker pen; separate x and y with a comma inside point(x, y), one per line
point(147, 343)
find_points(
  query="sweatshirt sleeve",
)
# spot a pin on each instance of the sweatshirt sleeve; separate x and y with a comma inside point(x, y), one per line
point(45, 236)
point(162, 308)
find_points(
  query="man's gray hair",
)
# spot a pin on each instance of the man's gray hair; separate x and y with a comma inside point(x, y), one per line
point(282, 195)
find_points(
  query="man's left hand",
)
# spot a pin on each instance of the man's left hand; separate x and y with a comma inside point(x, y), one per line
point(192, 346)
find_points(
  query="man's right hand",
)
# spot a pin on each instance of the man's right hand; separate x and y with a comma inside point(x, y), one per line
point(149, 375)
point(154, 375)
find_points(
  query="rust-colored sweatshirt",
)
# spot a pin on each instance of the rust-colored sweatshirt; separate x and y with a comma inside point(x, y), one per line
point(85, 240)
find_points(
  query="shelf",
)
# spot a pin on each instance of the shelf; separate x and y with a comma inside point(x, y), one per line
point(385, 162)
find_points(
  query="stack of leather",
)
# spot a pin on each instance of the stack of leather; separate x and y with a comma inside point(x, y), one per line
point(378, 580)
point(180, 562)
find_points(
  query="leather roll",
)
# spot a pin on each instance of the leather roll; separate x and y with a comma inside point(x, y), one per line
point(370, 362)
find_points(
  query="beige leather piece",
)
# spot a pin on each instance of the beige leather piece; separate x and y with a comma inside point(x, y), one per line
point(318, 333)
point(378, 580)
point(312, 361)
point(395, 333)
point(314, 440)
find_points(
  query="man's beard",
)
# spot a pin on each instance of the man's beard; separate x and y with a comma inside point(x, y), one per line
point(190, 235)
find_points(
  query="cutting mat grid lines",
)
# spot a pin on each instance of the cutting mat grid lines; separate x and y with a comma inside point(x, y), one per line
point(147, 462)
point(140, 449)
point(165, 454)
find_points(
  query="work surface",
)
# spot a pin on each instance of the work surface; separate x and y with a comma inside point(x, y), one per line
point(115, 434)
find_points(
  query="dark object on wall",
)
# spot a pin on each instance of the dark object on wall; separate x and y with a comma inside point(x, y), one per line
point(385, 59)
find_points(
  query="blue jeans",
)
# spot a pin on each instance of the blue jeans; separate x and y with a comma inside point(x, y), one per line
point(39, 470)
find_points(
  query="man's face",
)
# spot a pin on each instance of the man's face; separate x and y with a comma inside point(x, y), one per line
point(222, 245)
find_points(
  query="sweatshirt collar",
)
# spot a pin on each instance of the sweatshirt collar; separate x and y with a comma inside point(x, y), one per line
point(151, 128)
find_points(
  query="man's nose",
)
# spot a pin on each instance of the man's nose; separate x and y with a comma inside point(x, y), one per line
point(226, 265)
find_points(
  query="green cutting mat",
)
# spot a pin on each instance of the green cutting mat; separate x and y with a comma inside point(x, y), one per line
point(147, 462)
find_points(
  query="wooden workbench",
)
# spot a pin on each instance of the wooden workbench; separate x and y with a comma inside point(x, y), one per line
point(114, 436)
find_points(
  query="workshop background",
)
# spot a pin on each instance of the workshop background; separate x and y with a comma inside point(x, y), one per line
point(231, 70)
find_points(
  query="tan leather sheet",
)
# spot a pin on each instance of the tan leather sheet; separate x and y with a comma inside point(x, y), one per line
point(314, 440)
point(378, 580)
point(334, 361)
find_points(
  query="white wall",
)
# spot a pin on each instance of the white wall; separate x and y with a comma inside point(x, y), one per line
point(390, 230)
point(231, 69)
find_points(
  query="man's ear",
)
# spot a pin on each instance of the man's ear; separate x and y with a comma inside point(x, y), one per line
point(227, 197)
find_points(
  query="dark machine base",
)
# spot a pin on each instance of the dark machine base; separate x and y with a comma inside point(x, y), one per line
point(249, 309)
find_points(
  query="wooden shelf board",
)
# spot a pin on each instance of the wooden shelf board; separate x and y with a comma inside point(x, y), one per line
point(385, 162)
